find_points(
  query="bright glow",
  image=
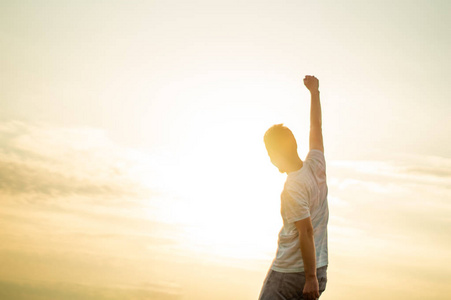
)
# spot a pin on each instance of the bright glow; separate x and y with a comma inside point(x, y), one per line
point(225, 189)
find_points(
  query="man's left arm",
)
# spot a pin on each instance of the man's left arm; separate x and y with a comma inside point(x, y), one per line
point(305, 229)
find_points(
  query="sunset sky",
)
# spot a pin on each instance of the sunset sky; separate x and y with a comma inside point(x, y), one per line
point(132, 163)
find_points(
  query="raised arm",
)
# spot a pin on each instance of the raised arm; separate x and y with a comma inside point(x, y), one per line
point(316, 132)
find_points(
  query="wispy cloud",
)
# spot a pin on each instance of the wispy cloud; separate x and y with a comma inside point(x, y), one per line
point(431, 170)
point(392, 217)
point(51, 162)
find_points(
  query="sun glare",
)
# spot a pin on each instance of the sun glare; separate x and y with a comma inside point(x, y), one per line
point(224, 193)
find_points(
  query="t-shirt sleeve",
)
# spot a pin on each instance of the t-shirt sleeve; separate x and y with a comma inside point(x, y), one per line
point(317, 156)
point(295, 202)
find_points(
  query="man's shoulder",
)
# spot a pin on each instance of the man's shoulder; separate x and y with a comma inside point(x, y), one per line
point(316, 158)
point(315, 154)
point(294, 180)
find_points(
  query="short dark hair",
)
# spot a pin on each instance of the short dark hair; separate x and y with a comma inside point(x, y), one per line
point(280, 138)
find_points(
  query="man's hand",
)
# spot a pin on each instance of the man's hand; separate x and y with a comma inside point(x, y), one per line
point(316, 133)
point(311, 288)
point(311, 83)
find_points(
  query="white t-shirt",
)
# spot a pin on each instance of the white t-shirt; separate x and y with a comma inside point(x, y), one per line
point(304, 195)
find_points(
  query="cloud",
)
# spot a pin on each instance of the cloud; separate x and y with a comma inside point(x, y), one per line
point(21, 178)
point(46, 161)
point(367, 185)
point(392, 175)
point(393, 206)
point(336, 201)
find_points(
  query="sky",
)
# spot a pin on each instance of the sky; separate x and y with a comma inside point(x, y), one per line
point(132, 162)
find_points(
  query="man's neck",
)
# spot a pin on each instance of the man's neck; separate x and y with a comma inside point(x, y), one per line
point(295, 165)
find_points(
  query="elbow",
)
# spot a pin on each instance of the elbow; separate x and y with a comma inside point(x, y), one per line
point(306, 231)
point(305, 228)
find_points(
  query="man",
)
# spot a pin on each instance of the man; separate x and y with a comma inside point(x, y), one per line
point(299, 270)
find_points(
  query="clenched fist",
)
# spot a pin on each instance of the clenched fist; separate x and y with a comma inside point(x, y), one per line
point(311, 287)
point(311, 83)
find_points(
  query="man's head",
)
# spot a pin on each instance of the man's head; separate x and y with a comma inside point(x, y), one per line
point(281, 146)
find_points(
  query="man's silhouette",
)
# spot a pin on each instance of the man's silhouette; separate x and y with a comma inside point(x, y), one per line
point(299, 270)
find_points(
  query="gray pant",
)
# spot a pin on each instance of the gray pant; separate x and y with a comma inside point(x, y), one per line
point(289, 286)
